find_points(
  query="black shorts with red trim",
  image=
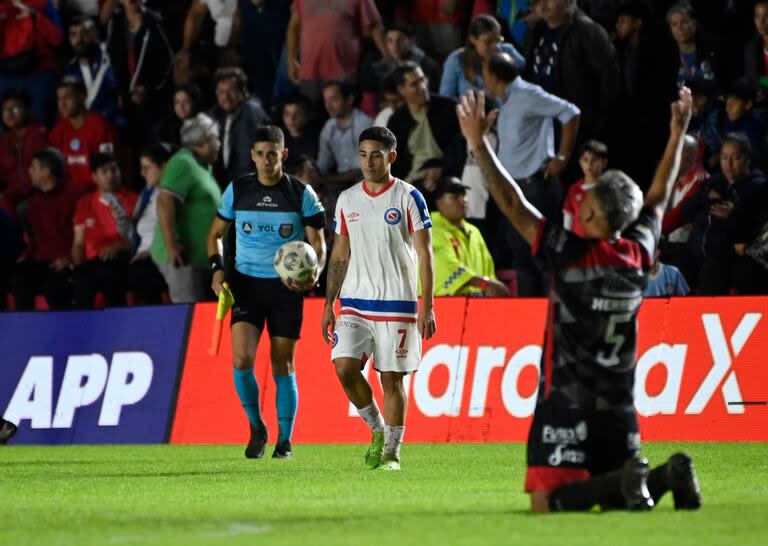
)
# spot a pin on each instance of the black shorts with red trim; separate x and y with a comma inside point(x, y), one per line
point(567, 443)
point(260, 300)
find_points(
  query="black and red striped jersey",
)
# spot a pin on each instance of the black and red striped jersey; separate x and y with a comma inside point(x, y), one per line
point(597, 286)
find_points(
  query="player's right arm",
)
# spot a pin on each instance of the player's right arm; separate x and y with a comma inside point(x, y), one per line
point(217, 231)
point(504, 190)
point(337, 270)
point(669, 166)
point(224, 216)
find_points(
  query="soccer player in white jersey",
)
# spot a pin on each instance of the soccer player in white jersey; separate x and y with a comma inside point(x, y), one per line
point(383, 241)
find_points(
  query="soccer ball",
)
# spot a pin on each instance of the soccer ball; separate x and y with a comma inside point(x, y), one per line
point(296, 261)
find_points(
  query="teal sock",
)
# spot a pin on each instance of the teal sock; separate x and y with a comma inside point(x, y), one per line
point(287, 402)
point(248, 392)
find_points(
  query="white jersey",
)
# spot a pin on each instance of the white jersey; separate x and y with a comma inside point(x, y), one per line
point(381, 279)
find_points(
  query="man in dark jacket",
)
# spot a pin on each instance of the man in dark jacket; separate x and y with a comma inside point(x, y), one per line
point(142, 59)
point(237, 115)
point(571, 56)
point(425, 126)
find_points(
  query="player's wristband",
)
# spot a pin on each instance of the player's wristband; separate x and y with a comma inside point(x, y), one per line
point(484, 283)
point(217, 264)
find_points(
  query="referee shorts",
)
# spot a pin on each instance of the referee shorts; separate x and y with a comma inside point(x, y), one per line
point(568, 443)
point(260, 300)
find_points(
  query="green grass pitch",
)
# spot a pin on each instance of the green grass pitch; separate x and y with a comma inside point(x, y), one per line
point(450, 494)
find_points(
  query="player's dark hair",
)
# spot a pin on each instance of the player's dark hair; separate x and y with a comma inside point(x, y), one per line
point(101, 159)
point(401, 70)
point(269, 133)
point(51, 159)
point(234, 73)
point(74, 84)
point(345, 88)
point(503, 66)
point(741, 142)
point(380, 134)
point(159, 153)
point(620, 199)
point(595, 147)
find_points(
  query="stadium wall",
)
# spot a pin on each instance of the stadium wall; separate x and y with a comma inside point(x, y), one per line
point(143, 375)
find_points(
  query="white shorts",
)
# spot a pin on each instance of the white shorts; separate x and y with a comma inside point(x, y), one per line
point(394, 346)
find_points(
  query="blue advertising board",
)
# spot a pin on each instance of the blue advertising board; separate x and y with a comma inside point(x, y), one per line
point(92, 377)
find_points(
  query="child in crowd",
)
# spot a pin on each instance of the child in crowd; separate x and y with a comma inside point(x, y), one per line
point(593, 158)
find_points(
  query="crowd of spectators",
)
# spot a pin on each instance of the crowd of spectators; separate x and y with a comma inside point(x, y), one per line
point(122, 121)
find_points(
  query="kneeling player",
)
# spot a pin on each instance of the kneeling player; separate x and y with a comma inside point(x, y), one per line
point(269, 208)
point(583, 446)
point(382, 239)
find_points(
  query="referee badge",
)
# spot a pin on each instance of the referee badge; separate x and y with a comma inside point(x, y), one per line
point(286, 230)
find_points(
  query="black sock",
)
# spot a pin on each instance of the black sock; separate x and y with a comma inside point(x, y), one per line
point(658, 482)
point(604, 490)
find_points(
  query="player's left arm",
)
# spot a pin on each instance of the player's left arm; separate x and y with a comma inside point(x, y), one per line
point(669, 166)
point(422, 242)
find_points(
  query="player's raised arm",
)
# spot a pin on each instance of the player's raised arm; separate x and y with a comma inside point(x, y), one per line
point(504, 190)
point(337, 269)
point(666, 173)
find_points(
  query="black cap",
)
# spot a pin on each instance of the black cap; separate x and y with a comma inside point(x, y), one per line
point(449, 184)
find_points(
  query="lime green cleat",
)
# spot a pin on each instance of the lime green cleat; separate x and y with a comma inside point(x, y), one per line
point(373, 455)
point(389, 464)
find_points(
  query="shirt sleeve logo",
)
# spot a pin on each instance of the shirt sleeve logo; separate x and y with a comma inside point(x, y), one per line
point(247, 227)
point(393, 216)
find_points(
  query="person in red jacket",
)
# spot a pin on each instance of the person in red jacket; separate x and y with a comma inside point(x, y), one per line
point(44, 267)
point(79, 134)
point(103, 231)
point(21, 139)
point(30, 32)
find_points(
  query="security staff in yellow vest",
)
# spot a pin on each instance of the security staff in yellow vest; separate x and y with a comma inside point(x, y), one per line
point(463, 265)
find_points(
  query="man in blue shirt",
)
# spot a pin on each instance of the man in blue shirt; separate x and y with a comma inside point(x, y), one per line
point(526, 151)
point(269, 208)
point(665, 281)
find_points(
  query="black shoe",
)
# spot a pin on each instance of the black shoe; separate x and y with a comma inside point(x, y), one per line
point(282, 450)
point(683, 482)
point(634, 484)
point(255, 447)
point(7, 430)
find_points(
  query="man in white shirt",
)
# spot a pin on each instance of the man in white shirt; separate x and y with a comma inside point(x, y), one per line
point(382, 242)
